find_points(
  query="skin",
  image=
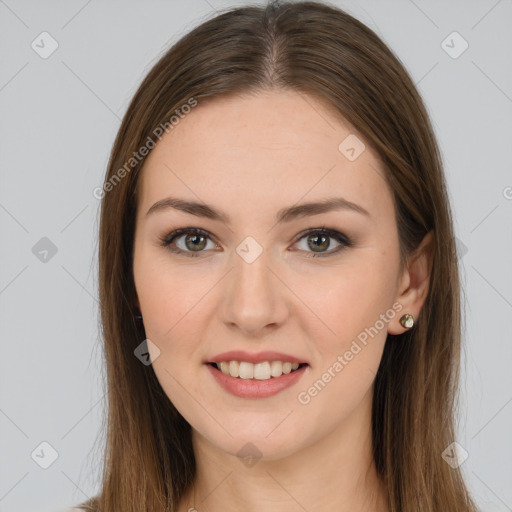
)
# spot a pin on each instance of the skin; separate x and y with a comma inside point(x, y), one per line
point(250, 156)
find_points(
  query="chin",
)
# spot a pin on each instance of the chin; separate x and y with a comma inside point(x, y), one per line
point(252, 441)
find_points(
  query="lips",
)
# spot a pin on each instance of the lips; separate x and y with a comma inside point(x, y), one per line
point(256, 389)
point(259, 357)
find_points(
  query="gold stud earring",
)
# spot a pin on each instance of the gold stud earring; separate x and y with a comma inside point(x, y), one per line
point(407, 321)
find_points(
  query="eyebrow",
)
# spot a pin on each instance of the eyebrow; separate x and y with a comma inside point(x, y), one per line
point(283, 215)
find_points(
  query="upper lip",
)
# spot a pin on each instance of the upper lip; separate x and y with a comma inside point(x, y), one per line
point(260, 357)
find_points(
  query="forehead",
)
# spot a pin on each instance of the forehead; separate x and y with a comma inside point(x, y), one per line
point(267, 150)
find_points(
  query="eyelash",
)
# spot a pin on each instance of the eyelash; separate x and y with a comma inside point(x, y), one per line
point(344, 240)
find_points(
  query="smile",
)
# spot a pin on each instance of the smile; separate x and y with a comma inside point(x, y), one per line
point(259, 371)
point(260, 380)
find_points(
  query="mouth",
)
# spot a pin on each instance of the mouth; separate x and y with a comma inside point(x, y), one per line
point(267, 378)
point(266, 370)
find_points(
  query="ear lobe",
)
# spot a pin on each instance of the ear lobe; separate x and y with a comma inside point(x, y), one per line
point(416, 280)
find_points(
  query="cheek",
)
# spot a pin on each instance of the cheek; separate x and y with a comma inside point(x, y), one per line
point(355, 308)
point(169, 295)
point(348, 299)
point(174, 321)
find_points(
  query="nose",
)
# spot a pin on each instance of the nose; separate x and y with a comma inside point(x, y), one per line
point(254, 299)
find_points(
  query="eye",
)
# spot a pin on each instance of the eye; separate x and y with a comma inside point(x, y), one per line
point(319, 239)
point(194, 241)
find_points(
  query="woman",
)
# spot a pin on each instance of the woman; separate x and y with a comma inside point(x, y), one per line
point(278, 279)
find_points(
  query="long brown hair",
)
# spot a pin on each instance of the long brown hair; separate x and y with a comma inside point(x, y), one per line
point(319, 50)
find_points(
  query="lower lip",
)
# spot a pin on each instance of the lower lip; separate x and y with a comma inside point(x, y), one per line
point(252, 388)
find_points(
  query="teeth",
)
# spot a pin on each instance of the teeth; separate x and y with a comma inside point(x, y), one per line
point(258, 371)
point(233, 368)
point(276, 368)
point(262, 371)
point(246, 370)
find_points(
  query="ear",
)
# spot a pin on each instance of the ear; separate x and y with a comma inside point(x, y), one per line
point(414, 283)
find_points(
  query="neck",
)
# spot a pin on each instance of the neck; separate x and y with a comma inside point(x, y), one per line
point(336, 472)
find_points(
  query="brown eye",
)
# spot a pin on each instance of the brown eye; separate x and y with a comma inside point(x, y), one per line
point(195, 242)
point(187, 241)
point(319, 240)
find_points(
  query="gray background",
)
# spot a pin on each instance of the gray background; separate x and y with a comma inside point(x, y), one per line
point(58, 120)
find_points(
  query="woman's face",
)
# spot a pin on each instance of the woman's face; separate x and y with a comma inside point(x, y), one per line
point(255, 279)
